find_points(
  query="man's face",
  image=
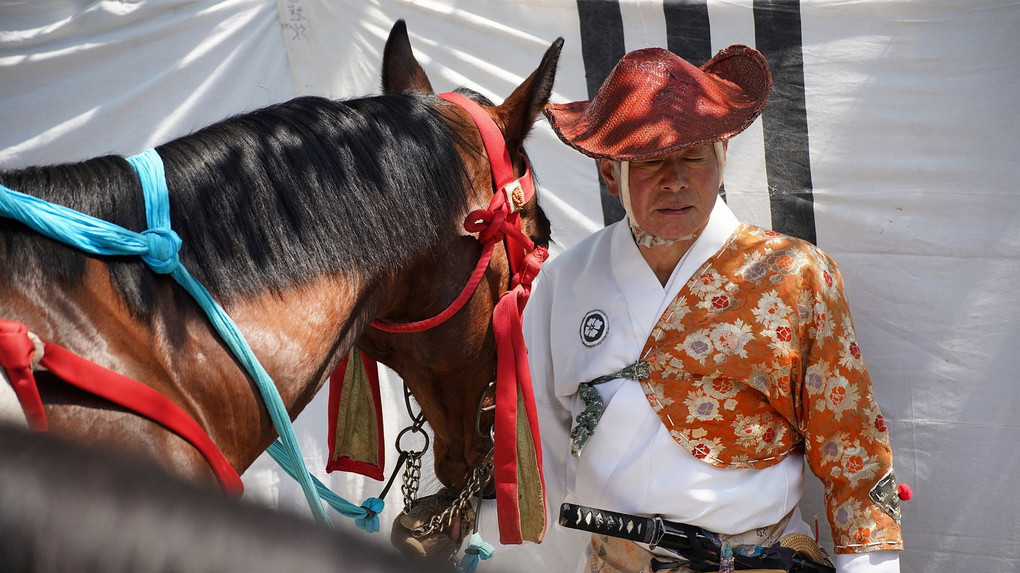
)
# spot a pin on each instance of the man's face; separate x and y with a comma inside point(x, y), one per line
point(672, 195)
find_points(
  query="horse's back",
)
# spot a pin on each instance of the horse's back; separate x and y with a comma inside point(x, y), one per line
point(67, 508)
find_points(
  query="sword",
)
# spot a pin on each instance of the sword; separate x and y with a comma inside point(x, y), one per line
point(690, 542)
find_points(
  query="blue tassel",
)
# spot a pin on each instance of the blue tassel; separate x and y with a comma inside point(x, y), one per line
point(477, 550)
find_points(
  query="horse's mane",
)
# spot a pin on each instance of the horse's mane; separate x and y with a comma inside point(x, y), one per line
point(267, 199)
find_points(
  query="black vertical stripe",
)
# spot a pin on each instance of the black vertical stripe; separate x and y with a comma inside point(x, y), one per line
point(688, 34)
point(602, 45)
point(787, 159)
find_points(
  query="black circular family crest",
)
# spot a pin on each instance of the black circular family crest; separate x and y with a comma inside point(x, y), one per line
point(594, 327)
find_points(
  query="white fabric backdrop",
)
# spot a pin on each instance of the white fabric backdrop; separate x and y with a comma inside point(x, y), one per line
point(913, 122)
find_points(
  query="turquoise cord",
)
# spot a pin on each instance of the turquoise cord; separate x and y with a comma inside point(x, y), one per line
point(366, 516)
point(477, 550)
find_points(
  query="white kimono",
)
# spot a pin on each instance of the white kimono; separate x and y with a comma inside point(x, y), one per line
point(631, 464)
point(589, 315)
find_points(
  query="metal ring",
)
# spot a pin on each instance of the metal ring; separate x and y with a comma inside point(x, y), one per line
point(483, 408)
point(413, 429)
point(419, 418)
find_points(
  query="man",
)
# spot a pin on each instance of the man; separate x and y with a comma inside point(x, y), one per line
point(688, 365)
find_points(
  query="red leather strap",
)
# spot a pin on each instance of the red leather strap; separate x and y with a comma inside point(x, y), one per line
point(123, 391)
point(501, 221)
point(513, 375)
point(503, 175)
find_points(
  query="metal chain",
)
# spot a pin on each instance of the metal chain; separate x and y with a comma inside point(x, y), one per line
point(412, 477)
point(412, 471)
point(411, 458)
point(478, 478)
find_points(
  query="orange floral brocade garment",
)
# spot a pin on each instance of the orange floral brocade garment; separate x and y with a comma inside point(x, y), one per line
point(757, 358)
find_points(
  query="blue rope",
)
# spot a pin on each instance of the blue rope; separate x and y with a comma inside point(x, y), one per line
point(727, 553)
point(366, 516)
point(158, 247)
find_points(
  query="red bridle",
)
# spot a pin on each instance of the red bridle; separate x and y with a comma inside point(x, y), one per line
point(501, 222)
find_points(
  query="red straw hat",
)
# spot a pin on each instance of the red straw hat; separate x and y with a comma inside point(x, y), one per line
point(655, 102)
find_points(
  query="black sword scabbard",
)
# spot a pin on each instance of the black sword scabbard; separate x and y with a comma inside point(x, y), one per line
point(632, 527)
point(688, 541)
point(650, 530)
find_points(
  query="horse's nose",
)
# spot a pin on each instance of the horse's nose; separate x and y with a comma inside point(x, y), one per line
point(450, 465)
point(452, 473)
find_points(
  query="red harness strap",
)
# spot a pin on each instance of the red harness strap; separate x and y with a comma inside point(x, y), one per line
point(107, 384)
point(500, 222)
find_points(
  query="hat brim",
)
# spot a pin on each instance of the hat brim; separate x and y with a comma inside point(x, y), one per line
point(657, 103)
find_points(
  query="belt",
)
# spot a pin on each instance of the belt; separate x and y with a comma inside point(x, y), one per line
point(702, 549)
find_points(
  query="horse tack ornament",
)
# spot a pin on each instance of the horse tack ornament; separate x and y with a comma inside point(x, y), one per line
point(515, 195)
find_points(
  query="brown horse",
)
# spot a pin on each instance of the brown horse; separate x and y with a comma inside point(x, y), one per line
point(306, 221)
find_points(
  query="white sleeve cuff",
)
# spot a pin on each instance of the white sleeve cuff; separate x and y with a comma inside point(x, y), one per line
point(871, 562)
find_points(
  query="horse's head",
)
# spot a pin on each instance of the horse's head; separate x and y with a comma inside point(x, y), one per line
point(449, 366)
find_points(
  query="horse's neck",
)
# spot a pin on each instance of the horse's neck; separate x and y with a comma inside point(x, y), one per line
point(298, 335)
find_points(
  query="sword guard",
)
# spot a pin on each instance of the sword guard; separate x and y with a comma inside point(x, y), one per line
point(657, 532)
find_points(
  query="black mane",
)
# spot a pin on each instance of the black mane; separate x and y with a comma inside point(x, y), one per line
point(266, 199)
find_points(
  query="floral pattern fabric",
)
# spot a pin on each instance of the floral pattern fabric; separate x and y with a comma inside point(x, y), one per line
point(757, 358)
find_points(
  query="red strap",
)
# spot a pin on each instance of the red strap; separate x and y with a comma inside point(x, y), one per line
point(500, 221)
point(132, 395)
point(16, 353)
point(465, 295)
point(511, 193)
point(492, 137)
point(513, 374)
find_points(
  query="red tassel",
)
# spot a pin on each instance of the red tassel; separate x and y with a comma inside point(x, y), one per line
point(903, 490)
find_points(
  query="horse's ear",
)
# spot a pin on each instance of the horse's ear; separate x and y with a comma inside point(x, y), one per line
point(521, 108)
point(401, 72)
